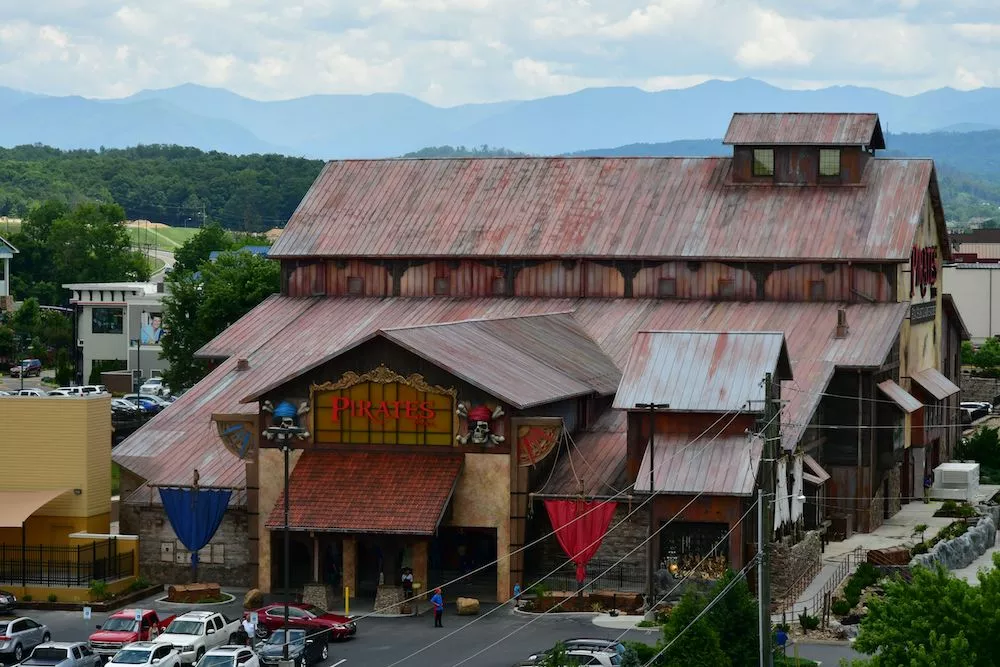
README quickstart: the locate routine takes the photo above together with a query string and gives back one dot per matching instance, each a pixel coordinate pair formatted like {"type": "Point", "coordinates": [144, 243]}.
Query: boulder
{"type": "Point", "coordinates": [961, 551]}
{"type": "Point", "coordinates": [254, 599]}
{"type": "Point", "coordinates": [467, 606]}
{"type": "Point", "coordinates": [193, 593]}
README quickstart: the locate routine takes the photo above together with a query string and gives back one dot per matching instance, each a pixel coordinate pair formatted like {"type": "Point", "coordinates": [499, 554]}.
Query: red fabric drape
{"type": "Point", "coordinates": [580, 538]}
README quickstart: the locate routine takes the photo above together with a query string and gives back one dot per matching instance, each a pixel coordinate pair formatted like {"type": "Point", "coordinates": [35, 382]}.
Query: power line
{"type": "Point", "coordinates": [570, 561]}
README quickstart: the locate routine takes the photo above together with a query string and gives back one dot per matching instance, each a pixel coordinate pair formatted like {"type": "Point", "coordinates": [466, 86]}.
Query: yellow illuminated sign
{"type": "Point", "coordinates": [383, 408]}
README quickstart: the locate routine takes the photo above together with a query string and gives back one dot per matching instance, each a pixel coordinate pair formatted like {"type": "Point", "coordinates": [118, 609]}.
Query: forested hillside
{"type": "Point", "coordinates": [167, 184]}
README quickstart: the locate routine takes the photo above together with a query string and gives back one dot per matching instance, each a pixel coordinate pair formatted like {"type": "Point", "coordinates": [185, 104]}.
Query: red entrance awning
{"type": "Point", "coordinates": [362, 492]}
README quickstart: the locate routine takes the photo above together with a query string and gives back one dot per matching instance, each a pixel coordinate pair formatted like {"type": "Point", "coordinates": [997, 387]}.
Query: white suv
{"type": "Point", "coordinates": [231, 655]}
{"type": "Point", "coordinates": [145, 654]}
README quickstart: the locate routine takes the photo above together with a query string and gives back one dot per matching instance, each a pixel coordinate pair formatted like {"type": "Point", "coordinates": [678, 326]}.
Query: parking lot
{"type": "Point", "coordinates": [14, 384]}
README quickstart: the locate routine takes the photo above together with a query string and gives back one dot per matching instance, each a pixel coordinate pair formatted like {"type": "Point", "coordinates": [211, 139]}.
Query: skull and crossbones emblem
{"type": "Point", "coordinates": [480, 420]}
{"type": "Point", "coordinates": [286, 415]}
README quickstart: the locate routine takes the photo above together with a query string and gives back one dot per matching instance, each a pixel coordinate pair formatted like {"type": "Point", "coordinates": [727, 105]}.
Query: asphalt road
{"type": "Point", "coordinates": [387, 642]}
{"type": "Point", "coordinates": [14, 384]}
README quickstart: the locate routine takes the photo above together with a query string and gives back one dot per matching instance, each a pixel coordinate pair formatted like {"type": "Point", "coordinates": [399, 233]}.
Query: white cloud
{"type": "Point", "coordinates": [454, 51]}
{"type": "Point", "coordinates": [775, 44]}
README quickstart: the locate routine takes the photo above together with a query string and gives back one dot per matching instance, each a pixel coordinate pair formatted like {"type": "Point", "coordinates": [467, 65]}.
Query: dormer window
{"type": "Point", "coordinates": [763, 162]}
{"type": "Point", "coordinates": [829, 162]}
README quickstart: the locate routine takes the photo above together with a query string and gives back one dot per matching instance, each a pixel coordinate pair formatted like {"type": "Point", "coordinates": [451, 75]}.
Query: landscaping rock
{"type": "Point", "coordinates": [193, 593]}
{"type": "Point", "coordinates": [254, 599]}
{"type": "Point", "coordinates": [961, 551]}
{"type": "Point", "coordinates": [467, 606]}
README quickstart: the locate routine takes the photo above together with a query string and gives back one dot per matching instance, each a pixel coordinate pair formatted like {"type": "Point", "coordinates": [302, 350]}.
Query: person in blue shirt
{"type": "Point", "coordinates": [517, 595]}
{"type": "Point", "coordinates": [438, 603]}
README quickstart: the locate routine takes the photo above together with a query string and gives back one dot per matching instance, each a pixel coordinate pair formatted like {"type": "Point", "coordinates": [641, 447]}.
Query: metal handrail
{"type": "Point", "coordinates": [814, 605]}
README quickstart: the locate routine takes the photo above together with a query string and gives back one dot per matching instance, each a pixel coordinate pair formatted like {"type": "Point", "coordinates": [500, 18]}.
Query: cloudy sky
{"type": "Point", "coordinates": [454, 51]}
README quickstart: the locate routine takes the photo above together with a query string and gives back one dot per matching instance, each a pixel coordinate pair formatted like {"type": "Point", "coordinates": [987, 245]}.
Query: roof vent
{"type": "Point", "coordinates": [242, 365]}
{"type": "Point", "coordinates": [842, 327]}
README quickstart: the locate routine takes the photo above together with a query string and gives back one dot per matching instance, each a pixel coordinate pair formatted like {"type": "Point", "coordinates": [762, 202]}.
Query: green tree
{"type": "Point", "coordinates": [197, 309]}
{"type": "Point", "coordinates": [968, 354]}
{"type": "Point", "coordinates": [8, 344]}
{"type": "Point", "coordinates": [937, 619]}
{"type": "Point", "coordinates": [983, 446]}
{"type": "Point", "coordinates": [988, 355]}
{"type": "Point", "coordinates": [694, 646]}
{"type": "Point", "coordinates": [64, 370]}
{"type": "Point", "coordinates": [197, 249]}
{"type": "Point", "coordinates": [734, 618]}
{"type": "Point", "coordinates": [27, 319]}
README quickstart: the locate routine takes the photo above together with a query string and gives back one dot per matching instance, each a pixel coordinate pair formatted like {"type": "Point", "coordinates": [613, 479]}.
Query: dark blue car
{"type": "Point", "coordinates": [303, 650]}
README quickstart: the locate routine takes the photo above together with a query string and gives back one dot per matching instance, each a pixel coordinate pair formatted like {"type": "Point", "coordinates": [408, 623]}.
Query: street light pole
{"type": "Point", "coordinates": [650, 551]}
{"type": "Point", "coordinates": [284, 435]}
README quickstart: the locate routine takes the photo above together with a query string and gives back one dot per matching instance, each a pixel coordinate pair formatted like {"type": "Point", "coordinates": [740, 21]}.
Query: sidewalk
{"type": "Point", "coordinates": [896, 531]}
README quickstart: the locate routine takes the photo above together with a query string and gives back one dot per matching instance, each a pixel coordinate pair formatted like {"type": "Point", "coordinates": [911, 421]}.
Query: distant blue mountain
{"type": "Point", "coordinates": [382, 125]}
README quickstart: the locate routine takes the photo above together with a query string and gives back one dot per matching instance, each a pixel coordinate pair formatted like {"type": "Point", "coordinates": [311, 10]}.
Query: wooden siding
{"type": "Point", "coordinates": [704, 282]}
{"type": "Point", "coordinates": [570, 279]}
{"type": "Point", "coordinates": [554, 278]}
{"type": "Point", "coordinates": [799, 165]}
{"type": "Point", "coordinates": [376, 280]}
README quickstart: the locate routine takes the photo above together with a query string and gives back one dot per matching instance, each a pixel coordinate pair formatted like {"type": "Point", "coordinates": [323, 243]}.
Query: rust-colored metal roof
{"type": "Point", "coordinates": [702, 371]}
{"type": "Point", "coordinates": [724, 466]}
{"type": "Point", "coordinates": [601, 207]}
{"type": "Point", "coordinates": [595, 464]}
{"type": "Point", "coordinates": [524, 361]}
{"type": "Point", "coordinates": [368, 492]}
{"type": "Point", "coordinates": [900, 396]}
{"type": "Point", "coordinates": [805, 129]}
{"type": "Point", "coordinates": [936, 384]}
{"type": "Point", "coordinates": [183, 437]}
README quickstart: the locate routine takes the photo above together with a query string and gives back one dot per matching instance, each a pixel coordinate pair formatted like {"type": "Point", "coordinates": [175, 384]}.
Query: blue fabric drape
{"type": "Point", "coordinates": [195, 515]}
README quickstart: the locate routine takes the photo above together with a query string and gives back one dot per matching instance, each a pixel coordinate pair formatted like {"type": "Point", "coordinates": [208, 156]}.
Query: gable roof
{"type": "Point", "coordinates": [284, 335]}
{"type": "Point", "coordinates": [702, 371]}
{"type": "Point", "coordinates": [7, 248]}
{"type": "Point", "coordinates": [805, 129]}
{"type": "Point", "coordinates": [629, 208]}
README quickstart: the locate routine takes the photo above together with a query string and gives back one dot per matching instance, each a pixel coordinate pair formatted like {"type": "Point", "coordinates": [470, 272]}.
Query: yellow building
{"type": "Point", "coordinates": [55, 495]}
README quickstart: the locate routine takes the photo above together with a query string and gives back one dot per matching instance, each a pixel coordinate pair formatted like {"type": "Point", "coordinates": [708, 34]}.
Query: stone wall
{"type": "Point", "coordinates": [895, 491]}
{"type": "Point", "coordinates": [794, 564]}
{"type": "Point", "coordinates": [979, 389]}
{"type": "Point", "coordinates": [961, 551]}
{"type": "Point", "coordinates": [164, 560]}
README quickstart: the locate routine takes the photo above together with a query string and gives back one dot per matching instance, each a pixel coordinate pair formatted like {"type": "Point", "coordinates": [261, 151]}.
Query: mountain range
{"type": "Point", "coordinates": [385, 125]}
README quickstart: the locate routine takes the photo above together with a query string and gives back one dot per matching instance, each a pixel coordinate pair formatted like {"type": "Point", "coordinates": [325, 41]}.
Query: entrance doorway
{"type": "Point", "coordinates": [458, 551]}
{"type": "Point", "coordinates": [301, 558]}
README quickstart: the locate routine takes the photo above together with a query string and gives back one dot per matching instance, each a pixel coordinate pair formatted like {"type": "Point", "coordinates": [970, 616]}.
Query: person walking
{"type": "Point", "coordinates": [517, 596]}
{"type": "Point", "coordinates": [438, 603]}
{"type": "Point", "coordinates": [928, 483]}
{"type": "Point", "coordinates": [249, 629]}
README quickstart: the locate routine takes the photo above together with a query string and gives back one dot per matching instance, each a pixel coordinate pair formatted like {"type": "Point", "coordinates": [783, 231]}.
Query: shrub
{"type": "Point", "coordinates": [99, 591]}
{"type": "Point", "coordinates": [852, 598]}
{"type": "Point", "coordinates": [841, 607]}
{"type": "Point", "coordinates": [949, 506]}
{"type": "Point", "coordinates": [27, 598]}
{"type": "Point", "coordinates": [643, 650]}
{"type": "Point", "coordinates": [866, 575]}
{"type": "Point", "coordinates": [52, 597]}
{"type": "Point", "coordinates": [139, 584]}
{"type": "Point", "coordinates": [808, 622]}
{"type": "Point", "coordinates": [918, 549]}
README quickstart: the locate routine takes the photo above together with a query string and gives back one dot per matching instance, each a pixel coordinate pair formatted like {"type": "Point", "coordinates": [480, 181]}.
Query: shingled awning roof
{"type": "Point", "coordinates": [805, 129]}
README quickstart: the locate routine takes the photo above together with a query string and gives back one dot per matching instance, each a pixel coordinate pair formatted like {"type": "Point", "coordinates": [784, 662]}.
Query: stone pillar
{"type": "Point", "coordinates": [350, 568]}
{"type": "Point", "coordinates": [316, 577]}
{"type": "Point", "coordinates": [420, 565]}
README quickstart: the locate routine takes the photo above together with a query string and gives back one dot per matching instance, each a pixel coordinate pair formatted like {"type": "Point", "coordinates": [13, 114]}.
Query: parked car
{"type": "Point", "coordinates": [306, 616]}
{"type": "Point", "coordinates": [230, 656]}
{"type": "Point", "coordinates": [27, 367]}
{"type": "Point", "coordinates": [18, 636]}
{"type": "Point", "coordinates": [7, 601]}
{"type": "Point", "coordinates": [121, 629]}
{"type": "Point", "coordinates": [976, 410]}
{"type": "Point", "coordinates": [122, 404]}
{"type": "Point", "coordinates": [579, 657]}
{"type": "Point", "coordinates": [146, 653]}
{"type": "Point", "coordinates": [30, 392]}
{"type": "Point", "coordinates": [154, 386]}
{"type": "Point", "coordinates": [59, 392]}
{"type": "Point", "coordinates": [5, 393]}
{"type": "Point", "coordinates": [195, 633]}
{"type": "Point", "coordinates": [593, 644]}
{"type": "Point", "coordinates": [302, 650]}
{"type": "Point", "coordinates": [62, 654]}
{"type": "Point", "coordinates": [158, 400]}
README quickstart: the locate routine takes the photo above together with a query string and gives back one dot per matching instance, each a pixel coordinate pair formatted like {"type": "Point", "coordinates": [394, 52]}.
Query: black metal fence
{"type": "Point", "coordinates": [602, 574]}
{"type": "Point", "coordinates": [41, 565]}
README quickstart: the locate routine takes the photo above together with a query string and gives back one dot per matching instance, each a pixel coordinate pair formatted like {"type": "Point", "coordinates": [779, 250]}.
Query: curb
{"type": "Point", "coordinates": [104, 606]}
{"type": "Point", "coordinates": [557, 614]}
{"type": "Point", "coordinates": [165, 601]}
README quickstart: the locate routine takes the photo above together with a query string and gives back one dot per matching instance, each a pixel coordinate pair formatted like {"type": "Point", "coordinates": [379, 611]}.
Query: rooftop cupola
{"type": "Point", "coordinates": [802, 148]}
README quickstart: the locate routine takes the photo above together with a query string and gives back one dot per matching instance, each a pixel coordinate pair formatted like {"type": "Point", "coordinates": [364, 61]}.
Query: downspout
{"type": "Point", "coordinates": [857, 500]}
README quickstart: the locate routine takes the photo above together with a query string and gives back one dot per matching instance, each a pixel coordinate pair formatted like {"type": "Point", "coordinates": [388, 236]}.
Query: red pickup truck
{"type": "Point", "coordinates": [121, 628]}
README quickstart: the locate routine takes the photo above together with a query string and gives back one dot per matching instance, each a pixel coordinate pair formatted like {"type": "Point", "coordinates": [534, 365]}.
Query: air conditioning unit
{"type": "Point", "coordinates": [956, 481]}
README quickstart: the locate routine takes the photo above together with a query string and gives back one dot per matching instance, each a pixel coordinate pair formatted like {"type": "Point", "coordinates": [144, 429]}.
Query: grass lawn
{"type": "Point", "coordinates": [162, 238]}
{"type": "Point", "coordinates": [155, 264]}
{"type": "Point", "coordinates": [791, 661]}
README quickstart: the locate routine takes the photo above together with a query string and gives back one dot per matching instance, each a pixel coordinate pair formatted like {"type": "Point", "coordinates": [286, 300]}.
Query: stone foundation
{"type": "Point", "coordinates": [794, 564]}
{"type": "Point", "coordinates": [389, 599]}
{"type": "Point", "coordinates": [979, 389]}
{"type": "Point", "coordinates": [319, 595]}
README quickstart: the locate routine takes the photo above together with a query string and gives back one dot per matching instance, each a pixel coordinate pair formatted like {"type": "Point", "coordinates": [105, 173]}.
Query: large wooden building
{"type": "Point", "coordinates": [463, 338]}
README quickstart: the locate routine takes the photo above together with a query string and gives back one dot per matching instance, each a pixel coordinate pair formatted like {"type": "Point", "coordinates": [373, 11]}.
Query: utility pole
{"type": "Point", "coordinates": [765, 520]}
{"type": "Point", "coordinates": [650, 551]}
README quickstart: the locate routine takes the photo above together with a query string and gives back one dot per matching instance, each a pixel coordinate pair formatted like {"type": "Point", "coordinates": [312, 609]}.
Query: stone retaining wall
{"type": "Point", "coordinates": [791, 562]}
{"type": "Point", "coordinates": [979, 389]}
{"type": "Point", "coordinates": [961, 551]}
